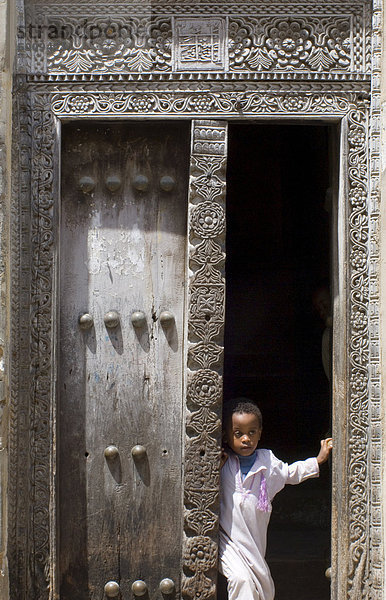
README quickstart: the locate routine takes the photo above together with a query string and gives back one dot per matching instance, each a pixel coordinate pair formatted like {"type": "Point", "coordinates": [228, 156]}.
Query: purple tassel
{"type": "Point", "coordinates": [263, 502]}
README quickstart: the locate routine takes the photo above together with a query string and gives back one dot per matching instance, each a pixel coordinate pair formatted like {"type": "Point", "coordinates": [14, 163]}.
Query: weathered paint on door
{"type": "Point", "coordinates": [122, 249]}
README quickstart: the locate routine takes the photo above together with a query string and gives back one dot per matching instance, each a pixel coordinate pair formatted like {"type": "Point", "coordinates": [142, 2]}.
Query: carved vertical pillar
{"type": "Point", "coordinates": [359, 500]}
{"type": "Point", "coordinates": [42, 351]}
{"type": "Point", "coordinates": [18, 481]}
{"type": "Point", "coordinates": [205, 355]}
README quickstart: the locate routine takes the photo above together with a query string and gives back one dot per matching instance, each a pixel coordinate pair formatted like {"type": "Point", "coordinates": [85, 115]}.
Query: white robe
{"type": "Point", "coordinates": [243, 527]}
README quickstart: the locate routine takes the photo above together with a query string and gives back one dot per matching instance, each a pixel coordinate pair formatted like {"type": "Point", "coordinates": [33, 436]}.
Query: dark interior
{"type": "Point", "coordinates": [278, 255]}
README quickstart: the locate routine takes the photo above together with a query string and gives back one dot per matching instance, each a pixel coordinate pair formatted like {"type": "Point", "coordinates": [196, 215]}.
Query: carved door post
{"type": "Point", "coordinates": [205, 355]}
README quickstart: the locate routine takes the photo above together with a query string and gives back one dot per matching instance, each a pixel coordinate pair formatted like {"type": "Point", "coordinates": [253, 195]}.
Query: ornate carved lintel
{"type": "Point", "coordinates": [248, 37]}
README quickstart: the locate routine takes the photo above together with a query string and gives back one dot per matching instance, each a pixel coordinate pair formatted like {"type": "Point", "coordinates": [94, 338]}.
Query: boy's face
{"type": "Point", "coordinates": [243, 433]}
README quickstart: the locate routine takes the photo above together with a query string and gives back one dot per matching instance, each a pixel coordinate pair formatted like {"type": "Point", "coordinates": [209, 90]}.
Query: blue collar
{"type": "Point", "coordinates": [246, 463]}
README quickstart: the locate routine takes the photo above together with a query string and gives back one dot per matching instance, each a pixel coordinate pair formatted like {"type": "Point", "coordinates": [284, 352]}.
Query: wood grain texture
{"type": "Point", "coordinates": [121, 519]}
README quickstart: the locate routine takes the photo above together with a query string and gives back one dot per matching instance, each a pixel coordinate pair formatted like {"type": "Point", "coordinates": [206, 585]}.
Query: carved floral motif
{"type": "Point", "coordinates": [204, 388]}
{"type": "Point", "coordinates": [358, 197]}
{"type": "Point", "coordinates": [208, 218]}
{"type": "Point", "coordinates": [199, 586]}
{"type": "Point", "coordinates": [188, 103]}
{"type": "Point", "coordinates": [207, 303]}
{"type": "Point", "coordinates": [200, 553]}
{"type": "Point", "coordinates": [205, 354]}
{"type": "Point", "coordinates": [359, 359]}
{"type": "Point", "coordinates": [290, 44]}
{"type": "Point", "coordinates": [359, 320]}
{"type": "Point", "coordinates": [200, 520]}
{"type": "Point", "coordinates": [202, 420]}
{"type": "Point", "coordinates": [256, 39]}
{"type": "Point", "coordinates": [111, 45]}
{"type": "Point", "coordinates": [41, 393]}
{"type": "Point", "coordinates": [201, 462]}
{"type": "Point", "coordinates": [210, 250]}
{"type": "Point", "coordinates": [200, 557]}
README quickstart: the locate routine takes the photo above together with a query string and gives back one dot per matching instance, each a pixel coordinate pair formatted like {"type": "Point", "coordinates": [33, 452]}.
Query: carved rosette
{"type": "Point", "coordinates": [205, 337]}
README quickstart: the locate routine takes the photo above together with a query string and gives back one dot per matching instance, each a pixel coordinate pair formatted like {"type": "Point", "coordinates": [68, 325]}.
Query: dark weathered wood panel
{"type": "Point", "coordinates": [121, 250]}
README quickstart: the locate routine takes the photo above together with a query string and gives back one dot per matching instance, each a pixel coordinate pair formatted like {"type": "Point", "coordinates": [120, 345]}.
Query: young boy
{"type": "Point", "coordinates": [250, 479]}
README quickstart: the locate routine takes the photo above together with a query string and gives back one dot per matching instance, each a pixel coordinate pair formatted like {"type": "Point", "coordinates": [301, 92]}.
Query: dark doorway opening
{"type": "Point", "coordinates": [278, 256]}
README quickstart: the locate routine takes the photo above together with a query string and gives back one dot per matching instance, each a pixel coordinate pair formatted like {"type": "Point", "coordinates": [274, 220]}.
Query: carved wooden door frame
{"type": "Point", "coordinates": [43, 101]}
{"type": "Point", "coordinates": [33, 445]}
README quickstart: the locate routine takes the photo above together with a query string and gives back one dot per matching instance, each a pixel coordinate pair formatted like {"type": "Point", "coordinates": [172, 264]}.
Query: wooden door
{"type": "Point", "coordinates": [122, 290]}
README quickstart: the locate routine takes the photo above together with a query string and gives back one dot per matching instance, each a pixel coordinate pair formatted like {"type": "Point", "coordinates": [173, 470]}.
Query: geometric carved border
{"type": "Point", "coordinates": [34, 568]}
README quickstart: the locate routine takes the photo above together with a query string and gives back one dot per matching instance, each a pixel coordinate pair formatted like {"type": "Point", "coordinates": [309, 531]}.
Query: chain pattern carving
{"type": "Point", "coordinates": [67, 39]}
{"type": "Point", "coordinates": [206, 324]}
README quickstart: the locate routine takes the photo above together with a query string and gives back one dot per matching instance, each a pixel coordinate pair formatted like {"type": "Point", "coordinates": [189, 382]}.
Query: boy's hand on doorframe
{"type": "Point", "coordinates": [325, 449]}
